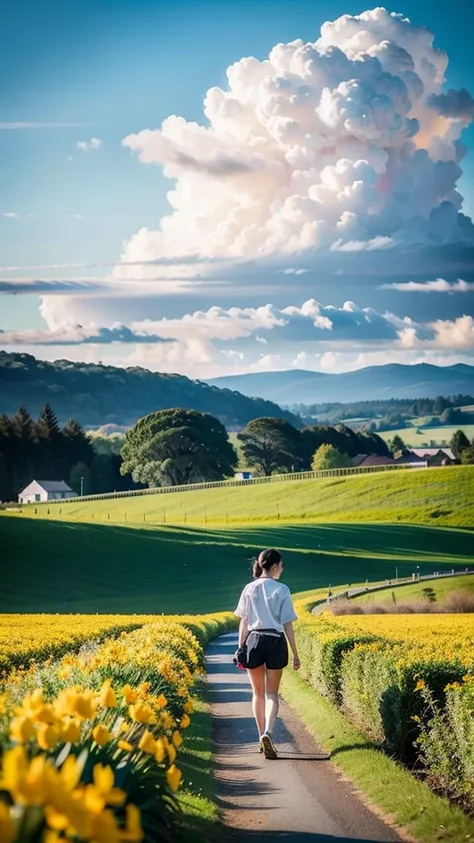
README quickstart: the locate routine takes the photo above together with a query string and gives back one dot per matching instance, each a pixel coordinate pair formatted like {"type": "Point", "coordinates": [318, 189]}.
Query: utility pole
{"type": "Point", "coordinates": [82, 487]}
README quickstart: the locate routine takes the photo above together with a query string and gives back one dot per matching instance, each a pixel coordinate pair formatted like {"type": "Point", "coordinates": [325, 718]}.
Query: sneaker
{"type": "Point", "coordinates": [268, 748]}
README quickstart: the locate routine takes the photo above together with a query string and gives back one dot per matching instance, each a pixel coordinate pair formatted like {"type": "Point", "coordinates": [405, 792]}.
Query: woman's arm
{"type": "Point", "coordinates": [290, 634]}
{"type": "Point", "coordinates": [243, 629]}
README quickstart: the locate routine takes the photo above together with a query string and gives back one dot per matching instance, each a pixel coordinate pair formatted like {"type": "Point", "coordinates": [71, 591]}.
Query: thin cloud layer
{"type": "Point", "coordinates": [439, 285]}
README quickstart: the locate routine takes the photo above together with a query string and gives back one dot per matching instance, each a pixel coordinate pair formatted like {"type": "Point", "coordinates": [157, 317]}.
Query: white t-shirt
{"type": "Point", "coordinates": [267, 604]}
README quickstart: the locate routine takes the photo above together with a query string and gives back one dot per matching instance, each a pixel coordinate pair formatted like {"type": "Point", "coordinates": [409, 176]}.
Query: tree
{"type": "Point", "coordinates": [80, 478]}
{"type": "Point", "coordinates": [467, 455]}
{"type": "Point", "coordinates": [78, 446]}
{"type": "Point", "coordinates": [397, 445]}
{"type": "Point", "coordinates": [327, 456]}
{"type": "Point", "coordinates": [459, 443]}
{"type": "Point", "coordinates": [270, 445]}
{"type": "Point", "coordinates": [174, 447]}
{"type": "Point", "coordinates": [451, 416]}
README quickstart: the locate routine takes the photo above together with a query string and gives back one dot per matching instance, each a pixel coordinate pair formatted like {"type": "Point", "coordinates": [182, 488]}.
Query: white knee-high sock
{"type": "Point", "coordinates": [272, 705]}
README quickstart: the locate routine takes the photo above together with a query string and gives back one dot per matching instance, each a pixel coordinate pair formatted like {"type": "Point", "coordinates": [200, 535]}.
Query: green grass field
{"type": "Point", "coordinates": [428, 496]}
{"type": "Point", "coordinates": [54, 566]}
{"type": "Point", "coordinates": [440, 434]}
{"type": "Point", "coordinates": [415, 590]}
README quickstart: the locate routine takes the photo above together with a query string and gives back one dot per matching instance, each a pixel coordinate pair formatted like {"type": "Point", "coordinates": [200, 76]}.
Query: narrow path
{"type": "Point", "coordinates": [322, 605]}
{"type": "Point", "coordinates": [301, 798]}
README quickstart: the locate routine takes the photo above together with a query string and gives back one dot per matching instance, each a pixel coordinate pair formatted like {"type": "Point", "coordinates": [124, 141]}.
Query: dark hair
{"type": "Point", "coordinates": [265, 560]}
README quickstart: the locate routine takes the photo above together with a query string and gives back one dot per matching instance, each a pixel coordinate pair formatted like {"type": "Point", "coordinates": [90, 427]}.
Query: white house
{"type": "Point", "coordinates": [40, 491]}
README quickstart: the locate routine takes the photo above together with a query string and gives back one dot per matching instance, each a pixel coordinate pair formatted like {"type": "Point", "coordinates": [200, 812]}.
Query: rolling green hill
{"type": "Point", "coordinates": [425, 496]}
{"type": "Point", "coordinates": [97, 395]}
{"type": "Point", "coordinates": [57, 566]}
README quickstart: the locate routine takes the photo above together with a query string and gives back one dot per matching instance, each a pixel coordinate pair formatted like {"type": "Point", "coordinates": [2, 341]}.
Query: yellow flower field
{"type": "Point", "coordinates": [443, 637]}
{"type": "Point", "coordinates": [27, 638]}
{"type": "Point", "coordinates": [89, 742]}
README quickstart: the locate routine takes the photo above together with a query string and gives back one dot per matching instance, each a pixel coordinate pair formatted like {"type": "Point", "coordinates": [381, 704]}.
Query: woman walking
{"type": "Point", "coordinates": [267, 614]}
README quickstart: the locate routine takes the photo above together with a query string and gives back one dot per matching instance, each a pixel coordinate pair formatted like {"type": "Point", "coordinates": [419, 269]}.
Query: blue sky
{"type": "Point", "coordinates": [108, 70]}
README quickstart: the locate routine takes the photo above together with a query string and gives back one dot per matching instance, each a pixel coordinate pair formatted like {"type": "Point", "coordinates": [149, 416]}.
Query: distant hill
{"type": "Point", "coordinates": [299, 386]}
{"type": "Point", "coordinates": [97, 395]}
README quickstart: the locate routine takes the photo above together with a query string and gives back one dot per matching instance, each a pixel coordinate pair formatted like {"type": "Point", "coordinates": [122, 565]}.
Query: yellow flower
{"type": "Point", "coordinates": [125, 745]}
{"type": "Point", "coordinates": [420, 685]}
{"type": "Point", "coordinates": [70, 731]}
{"type": "Point", "coordinates": [65, 671]}
{"type": "Point", "coordinates": [177, 739]}
{"type": "Point", "coordinates": [101, 735]}
{"type": "Point", "coordinates": [70, 773]}
{"type": "Point", "coordinates": [167, 720]}
{"type": "Point", "coordinates": [71, 701]}
{"type": "Point", "coordinates": [105, 829]}
{"type": "Point", "coordinates": [21, 729]}
{"type": "Point", "coordinates": [7, 826]}
{"type": "Point", "coordinates": [129, 694]}
{"type": "Point", "coordinates": [147, 743]}
{"type": "Point", "coordinates": [161, 701]}
{"type": "Point", "coordinates": [107, 695]}
{"type": "Point", "coordinates": [173, 776]}
{"type": "Point", "coordinates": [160, 750]}
{"type": "Point", "coordinates": [189, 707]}
{"type": "Point", "coordinates": [55, 819]}
{"type": "Point", "coordinates": [27, 783]}
{"type": "Point", "coordinates": [142, 713]}
{"type": "Point", "coordinates": [133, 830]}
{"type": "Point", "coordinates": [47, 736]}
{"type": "Point", "coordinates": [185, 721]}
{"type": "Point", "coordinates": [171, 753]}
{"type": "Point", "coordinates": [104, 782]}
{"type": "Point", "coordinates": [3, 703]}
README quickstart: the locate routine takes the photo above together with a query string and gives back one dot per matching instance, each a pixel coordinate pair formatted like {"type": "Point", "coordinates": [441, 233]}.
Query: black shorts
{"type": "Point", "coordinates": [268, 649]}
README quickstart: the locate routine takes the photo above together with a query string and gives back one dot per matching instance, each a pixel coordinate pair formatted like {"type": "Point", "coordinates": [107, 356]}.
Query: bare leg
{"type": "Point", "coordinates": [257, 680]}
{"type": "Point", "coordinates": [271, 699]}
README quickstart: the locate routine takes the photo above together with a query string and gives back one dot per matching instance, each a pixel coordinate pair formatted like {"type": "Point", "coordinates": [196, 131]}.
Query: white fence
{"type": "Point", "coordinates": [274, 478]}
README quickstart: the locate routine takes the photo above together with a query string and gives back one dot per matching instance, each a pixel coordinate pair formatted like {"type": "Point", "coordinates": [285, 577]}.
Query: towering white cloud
{"type": "Point", "coordinates": [345, 140]}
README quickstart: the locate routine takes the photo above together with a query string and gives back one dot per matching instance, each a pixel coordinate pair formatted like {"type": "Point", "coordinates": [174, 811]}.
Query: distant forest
{"type": "Point", "coordinates": [97, 395]}
{"type": "Point", "coordinates": [389, 412]}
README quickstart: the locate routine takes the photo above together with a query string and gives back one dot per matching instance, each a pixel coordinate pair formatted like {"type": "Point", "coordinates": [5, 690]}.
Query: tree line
{"type": "Point", "coordinates": [176, 446]}
{"type": "Point", "coordinates": [387, 410]}
{"type": "Point", "coordinates": [40, 449]}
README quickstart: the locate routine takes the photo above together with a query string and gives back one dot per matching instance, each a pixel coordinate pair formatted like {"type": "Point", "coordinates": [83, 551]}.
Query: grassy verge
{"type": "Point", "coordinates": [201, 816]}
{"type": "Point", "coordinates": [439, 589]}
{"type": "Point", "coordinates": [388, 787]}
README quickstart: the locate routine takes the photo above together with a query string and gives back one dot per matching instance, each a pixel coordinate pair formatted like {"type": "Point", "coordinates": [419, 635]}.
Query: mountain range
{"type": "Point", "coordinates": [300, 386]}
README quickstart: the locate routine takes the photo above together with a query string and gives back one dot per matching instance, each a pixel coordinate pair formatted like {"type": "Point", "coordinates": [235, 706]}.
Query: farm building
{"type": "Point", "coordinates": [435, 456]}
{"type": "Point", "coordinates": [243, 475]}
{"type": "Point", "coordinates": [40, 491]}
{"type": "Point", "coordinates": [366, 460]}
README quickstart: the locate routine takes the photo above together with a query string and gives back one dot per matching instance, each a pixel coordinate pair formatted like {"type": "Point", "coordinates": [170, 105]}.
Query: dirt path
{"type": "Point", "coordinates": [301, 798]}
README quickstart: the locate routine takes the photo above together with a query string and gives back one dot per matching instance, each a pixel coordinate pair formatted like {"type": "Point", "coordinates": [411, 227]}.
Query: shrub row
{"type": "Point", "coordinates": [415, 699]}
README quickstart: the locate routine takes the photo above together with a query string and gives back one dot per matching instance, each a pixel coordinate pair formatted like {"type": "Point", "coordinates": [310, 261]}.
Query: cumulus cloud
{"type": "Point", "coordinates": [87, 146]}
{"type": "Point", "coordinates": [332, 143]}
{"type": "Point", "coordinates": [456, 104]}
{"type": "Point", "coordinates": [439, 285]}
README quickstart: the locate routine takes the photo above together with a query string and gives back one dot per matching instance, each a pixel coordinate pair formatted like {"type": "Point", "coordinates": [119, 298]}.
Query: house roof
{"type": "Point", "coordinates": [410, 458]}
{"type": "Point", "coordinates": [375, 459]}
{"type": "Point", "coordinates": [53, 485]}
{"type": "Point", "coordinates": [432, 452]}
